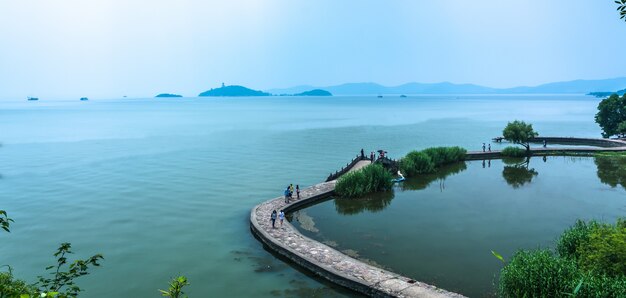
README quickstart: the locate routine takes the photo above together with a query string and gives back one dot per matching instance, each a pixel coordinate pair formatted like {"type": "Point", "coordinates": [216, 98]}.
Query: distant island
{"type": "Point", "coordinates": [607, 94]}
{"type": "Point", "coordinates": [168, 95]}
{"type": "Point", "coordinates": [567, 87]}
{"type": "Point", "coordinates": [314, 92]}
{"type": "Point", "coordinates": [233, 91]}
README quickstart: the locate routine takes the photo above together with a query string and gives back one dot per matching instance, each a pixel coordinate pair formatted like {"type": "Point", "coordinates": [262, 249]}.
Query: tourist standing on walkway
{"type": "Point", "coordinates": [287, 195]}
{"type": "Point", "coordinates": [298, 191]}
{"type": "Point", "coordinates": [273, 219]}
{"type": "Point", "coordinates": [291, 191]}
{"type": "Point", "coordinates": [372, 156]}
{"type": "Point", "coordinates": [483, 147]}
{"type": "Point", "coordinates": [362, 153]}
{"type": "Point", "coordinates": [489, 147]}
{"type": "Point", "coordinates": [281, 216]}
{"type": "Point", "coordinates": [545, 143]}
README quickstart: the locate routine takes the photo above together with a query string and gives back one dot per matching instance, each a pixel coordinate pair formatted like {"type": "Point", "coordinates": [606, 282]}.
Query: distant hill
{"type": "Point", "coordinates": [314, 92]}
{"type": "Point", "coordinates": [168, 95]}
{"type": "Point", "coordinates": [234, 91]}
{"type": "Point", "coordinates": [607, 94]}
{"type": "Point", "coordinates": [576, 87]}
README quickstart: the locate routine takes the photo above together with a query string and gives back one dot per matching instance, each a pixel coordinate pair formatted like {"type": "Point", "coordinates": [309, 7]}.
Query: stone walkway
{"type": "Point", "coordinates": [352, 273]}
{"type": "Point", "coordinates": [326, 261]}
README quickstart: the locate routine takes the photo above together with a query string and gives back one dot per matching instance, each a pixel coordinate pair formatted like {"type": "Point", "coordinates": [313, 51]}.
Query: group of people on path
{"type": "Point", "coordinates": [275, 215]}
{"type": "Point", "coordinates": [289, 193]}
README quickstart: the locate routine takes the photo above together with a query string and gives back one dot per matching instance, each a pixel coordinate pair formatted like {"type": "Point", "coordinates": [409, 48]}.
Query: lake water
{"type": "Point", "coordinates": [441, 228]}
{"type": "Point", "coordinates": [163, 187]}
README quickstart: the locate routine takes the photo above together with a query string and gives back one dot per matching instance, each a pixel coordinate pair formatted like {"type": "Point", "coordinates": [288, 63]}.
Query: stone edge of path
{"type": "Point", "coordinates": [351, 273]}
{"type": "Point", "coordinates": [327, 262]}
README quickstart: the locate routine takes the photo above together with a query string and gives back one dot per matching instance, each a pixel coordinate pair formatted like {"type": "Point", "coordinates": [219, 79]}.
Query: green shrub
{"type": "Point", "coordinates": [571, 239]}
{"type": "Point", "coordinates": [511, 151]}
{"type": "Point", "coordinates": [369, 179]}
{"type": "Point", "coordinates": [538, 273]}
{"type": "Point", "coordinates": [10, 287]}
{"type": "Point", "coordinates": [416, 163]}
{"type": "Point", "coordinates": [445, 155]}
{"type": "Point", "coordinates": [595, 285]}
{"type": "Point", "coordinates": [589, 251]}
{"type": "Point", "coordinates": [605, 250]}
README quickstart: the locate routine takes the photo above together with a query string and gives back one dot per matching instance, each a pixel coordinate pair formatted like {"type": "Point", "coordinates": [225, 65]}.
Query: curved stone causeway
{"type": "Point", "coordinates": [351, 273]}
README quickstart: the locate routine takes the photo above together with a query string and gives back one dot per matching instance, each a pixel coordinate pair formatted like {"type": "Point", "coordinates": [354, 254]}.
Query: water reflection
{"type": "Point", "coordinates": [423, 181]}
{"type": "Point", "coordinates": [373, 203]}
{"type": "Point", "coordinates": [611, 170]}
{"type": "Point", "coordinates": [517, 172]}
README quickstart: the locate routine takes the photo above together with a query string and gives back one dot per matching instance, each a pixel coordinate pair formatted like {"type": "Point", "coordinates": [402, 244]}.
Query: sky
{"type": "Point", "coordinates": [139, 48]}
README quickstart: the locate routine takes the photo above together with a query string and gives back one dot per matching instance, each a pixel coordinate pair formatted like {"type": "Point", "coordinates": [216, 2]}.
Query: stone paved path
{"type": "Point", "coordinates": [328, 262]}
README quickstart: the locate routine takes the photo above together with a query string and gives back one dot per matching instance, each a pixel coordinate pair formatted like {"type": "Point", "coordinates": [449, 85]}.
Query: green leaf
{"type": "Point", "coordinates": [580, 283]}
{"type": "Point", "coordinates": [497, 255]}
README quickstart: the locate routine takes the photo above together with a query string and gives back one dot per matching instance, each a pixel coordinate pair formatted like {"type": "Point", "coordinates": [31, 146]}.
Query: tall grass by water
{"type": "Point", "coordinates": [428, 160]}
{"type": "Point", "coordinates": [590, 261]}
{"type": "Point", "coordinates": [372, 178]}
{"type": "Point", "coordinates": [511, 151]}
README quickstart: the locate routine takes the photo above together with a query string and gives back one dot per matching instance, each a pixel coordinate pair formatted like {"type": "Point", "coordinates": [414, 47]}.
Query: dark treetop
{"type": "Point", "coordinates": [233, 90]}
{"type": "Point", "coordinates": [606, 94]}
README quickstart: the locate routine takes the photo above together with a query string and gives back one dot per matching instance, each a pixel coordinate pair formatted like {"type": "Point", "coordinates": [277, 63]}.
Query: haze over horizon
{"type": "Point", "coordinates": [73, 48]}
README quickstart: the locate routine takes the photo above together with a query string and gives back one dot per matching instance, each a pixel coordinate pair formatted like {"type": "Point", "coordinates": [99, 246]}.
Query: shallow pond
{"type": "Point", "coordinates": [441, 228]}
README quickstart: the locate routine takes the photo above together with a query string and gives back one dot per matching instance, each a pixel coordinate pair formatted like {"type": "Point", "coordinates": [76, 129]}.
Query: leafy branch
{"type": "Point", "coordinates": [5, 221]}
{"type": "Point", "coordinates": [176, 287]}
{"type": "Point", "coordinates": [62, 281]}
{"type": "Point", "coordinates": [621, 8]}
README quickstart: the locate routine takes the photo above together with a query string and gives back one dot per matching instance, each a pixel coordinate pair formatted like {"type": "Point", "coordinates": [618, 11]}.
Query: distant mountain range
{"type": "Point", "coordinates": [575, 87]}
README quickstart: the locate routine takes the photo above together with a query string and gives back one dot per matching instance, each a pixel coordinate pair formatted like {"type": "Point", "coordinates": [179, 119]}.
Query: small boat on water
{"type": "Point", "coordinates": [32, 98]}
{"type": "Point", "coordinates": [84, 98]}
{"type": "Point", "coordinates": [403, 96]}
{"type": "Point", "coordinates": [380, 96]}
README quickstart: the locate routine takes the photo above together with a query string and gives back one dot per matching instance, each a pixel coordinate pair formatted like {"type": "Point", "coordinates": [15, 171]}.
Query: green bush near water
{"type": "Point", "coordinates": [428, 160]}
{"type": "Point", "coordinates": [416, 162]}
{"type": "Point", "coordinates": [445, 155]}
{"type": "Point", "coordinates": [372, 178]}
{"type": "Point", "coordinates": [591, 254]}
{"type": "Point", "coordinates": [511, 151]}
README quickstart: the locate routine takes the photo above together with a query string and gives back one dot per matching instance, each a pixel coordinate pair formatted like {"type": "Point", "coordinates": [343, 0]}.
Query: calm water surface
{"type": "Point", "coordinates": [164, 186]}
{"type": "Point", "coordinates": [441, 228]}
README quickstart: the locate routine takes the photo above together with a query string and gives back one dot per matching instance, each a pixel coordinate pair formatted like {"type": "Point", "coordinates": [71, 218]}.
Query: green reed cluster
{"type": "Point", "coordinates": [589, 261]}
{"type": "Point", "coordinates": [372, 178]}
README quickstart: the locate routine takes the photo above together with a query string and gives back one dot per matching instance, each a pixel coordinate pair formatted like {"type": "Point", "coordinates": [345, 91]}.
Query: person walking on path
{"type": "Point", "coordinates": [273, 219]}
{"type": "Point", "coordinates": [281, 216]}
{"type": "Point", "coordinates": [372, 156]}
{"type": "Point", "coordinates": [545, 143]}
{"type": "Point", "coordinates": [483, 147]}
{"type": "Point", "coordinates": [298, 191]}
{"type": "Point", "coordinates": [362, 153]}
{"type": "Point", "coordinates": [490, 147]}
{"type": "Point", "coordinates": [291, 191]}
{"type": "Point", "coordinates": [287, 195]}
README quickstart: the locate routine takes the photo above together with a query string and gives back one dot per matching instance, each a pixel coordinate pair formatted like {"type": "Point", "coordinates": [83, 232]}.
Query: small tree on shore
{"type": "Point", "coordinates": [519, 132]}
{"type": "Point", "coordinates": [611, 114]}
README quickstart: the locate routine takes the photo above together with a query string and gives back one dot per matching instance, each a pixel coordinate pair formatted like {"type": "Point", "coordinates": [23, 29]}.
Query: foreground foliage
{"type": "Point", "coordinates": [372, 178]}
{"type": "Point", "coordinates": [176, 286]}
{"type": "Point", "coordinates": [590, 261]}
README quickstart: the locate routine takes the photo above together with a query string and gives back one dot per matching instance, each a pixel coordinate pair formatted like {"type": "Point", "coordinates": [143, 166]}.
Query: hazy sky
{"type": "Point", "coordinates": [74, 48]}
